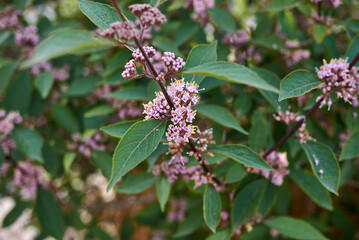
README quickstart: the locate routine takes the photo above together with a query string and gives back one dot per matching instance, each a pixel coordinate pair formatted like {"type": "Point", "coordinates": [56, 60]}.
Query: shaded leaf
{"type": "Point", "coordinates": [163, 188]}
{"type": "Point", "coordinates": [137, 183]}
{"type": "Point", "coordinates": [294, 228]}
{"type": "Point", "coordinates": [324, 164]}
{"type": "Point", "coordinates": [220, 115]}
{"type": "Point", "coordinates": [351, 147]}
{"type": "Point", "coordinates": [231, 72]}
{"type": "Point", "coordinates": [118, 129]}
{"type": "Point", "coordinates": [211, 207]}
{"type": "Point", "coordinates": [244, 155]}
{"type": "Point", "coordinates": [297, 83]}
{"type": "Point", "coordinates": [43, 83]}
{"type": "Point", "coordinates": [29, 142]}
{"type": "Point", "coordinates": [139, 141]}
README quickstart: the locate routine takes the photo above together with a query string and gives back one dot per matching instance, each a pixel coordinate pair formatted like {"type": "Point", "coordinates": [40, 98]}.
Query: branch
{"type": "Point", "coordinates": [163, 89]}
{"type": "Point", "coordinates": [292, 130]}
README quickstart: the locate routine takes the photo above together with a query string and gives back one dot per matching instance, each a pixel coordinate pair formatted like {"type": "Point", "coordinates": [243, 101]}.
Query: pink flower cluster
{"type": "Point", "coordinates": [148, 15]}
{"type": "Point", "coordinates": [124, 108]}
{"type": "Point", "coordinates": [279, 162]}
{"type": "Point", "coordinates": [28, 177]}
{"type": "Point", "coordinates": [9, 18]}
{"type": "Point", "coordinates": [7, 125]}
{"type": "Point", "coordinates": [333, 3]}
{"type": "Point", "coordinates": [184, 96]}
{"type": "Point", "coordinates": [339, 79]}
{"type": "Point", "coordinates": [59, 74]}
{"type": "Point", "coordinates": [238, 39]}
{"type": "Point", "coordinates": [176, 167]}
{"type": "Point", "coordinates": [295, 54]}
{"type": "Point", "coordinates": [123, 30]}
{"type": "Point", "coordinates": [178, 210]}
{"type": "Point", "coordinates": [27, 37]}
{"type": "Point", "coordinates": [289, 117]}
{"type": "Point", "coordinates": [165, 65]}
{"type": "Point", "coordinates": [85, 146]}
{"type": "Point", "coordinates": [200, 9]}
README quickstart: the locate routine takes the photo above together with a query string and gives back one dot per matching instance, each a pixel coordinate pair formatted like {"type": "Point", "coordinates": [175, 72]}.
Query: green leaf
{"type": "Point", "coordinates": [245, 203]}
{"type": "Point", "coordinates": [151, 160]}
{"type": "Point", "coordinates": [273, 80]}
{"type": "Point", "coordinates": [297, 83]}
{"type": "Point", "coordinates": [189, 224]}
{"type": "Point", "coordinates": [258, 135]}
{"type": "Point", "coordinates": [211, 207]}
{"type": "Point", "coordinates": [50, 215]}
{"type": "Point", "coordinates": [97, 111]}
{"type": "Point", "coordinates": [223, 19]}
{"type": "Point", "coordinates": [320, 32]}
{"type": "Point", "coordinates": [137, 183]}
{"type": "Point", "coordinates": [268, 199]}
{"type": "Point", "coordinates": [200, 54]}
{"type": "Point", "coordinates": [68, 160]}
{"type": "Point", "coordinates": [223, 234]}
{"type": "Point", "coordinates": [43, 84]}
{"type": "Point", "coordinates": [130, 93]}
{"type": "Point", "coordinates": [139, 141]}
{"type": "Point", "coordinates": [312, 187]}
{"type": "Point", "coordinates": [326, 162]}
{"type": "Point", "coordinates": [220, 115]}
{"type": "Point", "coordinates": [278, 5]}
{"type": "Point", "coordinates": [351, 147]}
{"type": "Point", "coordinates": [163, 188]}
{"type": "Point", "coordinates": [270, 42]}
{"type": "Point", "coordinates": [65, 117]}
{"type": "Point", "coordinates": [81, 87]}
{"type": "Point", "coordinates": [18, 94]}
{"type": "Point", "coordinates": [235, 174]}
{"type": "Point", "coordinates": [118, 129]}
{"type": "Point", "coordinates": [353, 50]}
{"type": "Point", "coordinates": [244, 155]}
{"type": "Point", "coordinates": [65, 42]}
{"type": "Point", "coordinates": [294, 228]}
{"type": "Point", "coordinates": [103, 161]}
{"type": "Point", "coordinates": [101, 15]}
{"type": "Point", "coordinates": [29, 142]}
{"type": "Point", "coordinates": [2, 156]}
{"type": "Point", "coordinates": [185, 31]}
{"type": "Point", "coordinates": [7, 69]}
{"type": "Point", "coordinates": [15, 213]}
{"type": "Point", "coordinates": [231, 72]}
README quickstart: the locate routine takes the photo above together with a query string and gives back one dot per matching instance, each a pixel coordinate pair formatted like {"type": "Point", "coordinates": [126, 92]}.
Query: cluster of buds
{"type": "Point", "coordinates": [239, 52]}
{"type": "Point", "coordinates": [184, 96]}
{"type": "Point", "coordinates": [295, 54]}
{"type": "Point", "coordinates": [173, 169]}
{"type": "Point", "coordinates": [28, 177]}
{"type": "Point", "coordinates": [27, 38]}
{"type": "Point", "coordinates": [200, 9]}
{"type": "Point", "coordinates": [289, 117]}
{"type": "Point", "coordinates": [124, 108]}
{"type": "Point", "coordinates": [147, 17]}
{"type": "Point", "coordinates": [279, 162]}
{"type": "Point", "coordinates": [59, 74]}
{"type": "Point", "coordinates": [9, 18]}
{"type": "Point", "coordinates": [178, 210]}
{"type": "Point", "coordinates": [7, 124]}
{"type": "Point", "coordinates": [238, 39]}
{"type": "Point", "coordinates": [85, 146]}
{"type": "Point", "coordinates": [339, 79]}
{"type": "Point", "coordinates": [204, 138]}
{"type": "Point", "coordinates": [167, 65]}
{"type": "Point", "coordinates": [333, 3]}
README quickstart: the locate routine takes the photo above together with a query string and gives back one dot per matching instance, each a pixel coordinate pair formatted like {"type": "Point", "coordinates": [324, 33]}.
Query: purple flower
{"type": "Point", "coordinates": [148, 15]}
{"type": "Point", "coordinates": [28, 177]}
{"type": "Point", "coordinates": [9, 18]}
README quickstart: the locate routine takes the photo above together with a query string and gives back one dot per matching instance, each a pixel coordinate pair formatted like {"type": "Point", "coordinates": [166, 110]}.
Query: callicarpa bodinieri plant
{"type": "Point", "coordinates": [179, 119]}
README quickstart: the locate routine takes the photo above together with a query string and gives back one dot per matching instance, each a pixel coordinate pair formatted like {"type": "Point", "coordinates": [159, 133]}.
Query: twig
{"type": "Point", "coordinates": [163, 89]}
{"type": "Point", "coordinates": [292, 130]}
